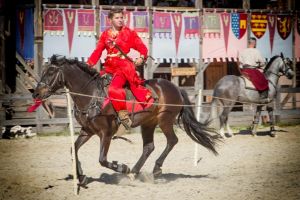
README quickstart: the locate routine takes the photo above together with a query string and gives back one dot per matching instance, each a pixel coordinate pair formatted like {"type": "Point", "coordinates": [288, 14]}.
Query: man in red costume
{"type": "Point", "coordinates": [118, 40]}
{"type": "Point", "coordinates": [251, 63]}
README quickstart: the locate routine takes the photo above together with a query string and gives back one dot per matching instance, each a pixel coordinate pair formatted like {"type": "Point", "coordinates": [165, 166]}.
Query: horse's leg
{"type": "Point", "coordinates": [229, 130]}
{"type": "Point", "coordinates": [256, 120]}
{"type": "Point", "coordinates": [104, 146]}
{"type": "Point", "coordinates": [271, 116]}
{"type": "Point", "coordinates": [167, 128]}
{"type": "Point", "coordinates": [82, 138]}
{"type": "Point", "coordinates": [148, 147]}
{"type": "Point", "coordinates": [216, 117]}
{"type": "Point", "coordinates": [224, 119]}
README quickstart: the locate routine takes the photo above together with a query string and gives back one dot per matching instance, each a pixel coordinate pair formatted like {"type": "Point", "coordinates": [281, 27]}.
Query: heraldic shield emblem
{"type": "Point", "coordinates": [259, 24]}
{"type": "Point", "coordinates": [284, 26]}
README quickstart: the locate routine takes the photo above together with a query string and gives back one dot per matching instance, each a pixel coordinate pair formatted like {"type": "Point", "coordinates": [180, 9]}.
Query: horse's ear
{"type": "Point", "coordinates": [53, 58]}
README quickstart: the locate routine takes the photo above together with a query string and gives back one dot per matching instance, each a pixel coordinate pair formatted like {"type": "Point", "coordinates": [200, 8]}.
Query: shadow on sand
{"type": "Point", "coordinates": [122, 179]}
{"type": "Point", "coordinates": [259, 133]}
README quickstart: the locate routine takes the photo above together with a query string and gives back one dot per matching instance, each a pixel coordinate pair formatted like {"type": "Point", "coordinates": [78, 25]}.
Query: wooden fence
{"type": "Point", "coordinates": [285, 108]}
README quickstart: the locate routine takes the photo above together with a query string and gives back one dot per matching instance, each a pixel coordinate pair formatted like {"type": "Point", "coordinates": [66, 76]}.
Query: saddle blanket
{"type": "Point", "coordinates": [257, 78]}
{"type": "Point", "coordinates": [132, 105]}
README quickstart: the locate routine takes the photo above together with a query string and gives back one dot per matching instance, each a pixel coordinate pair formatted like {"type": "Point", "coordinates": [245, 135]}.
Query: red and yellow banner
{"type": "Point", "coordinates": [284, 25]}
{"type": "Point", "coordinates": [86, 21]}
{"type": "Point", "coordinates": [177, 21]}
{"type": "Point", "coordinates": [70, 15]}
{"type": "Point", "coordinates": [258, 24]}
{"type": "Point", "coordinates": [53, 20]}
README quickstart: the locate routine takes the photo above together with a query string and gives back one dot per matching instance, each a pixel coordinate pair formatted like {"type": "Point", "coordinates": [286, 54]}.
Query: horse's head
{"type": "Point", "coordinates": [52, 79]}
{"type": "Point", "coordinates": [286, 67]}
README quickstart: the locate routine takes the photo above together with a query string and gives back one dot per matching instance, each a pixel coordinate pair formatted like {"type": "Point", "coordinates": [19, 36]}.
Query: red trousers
{"type": "Point", "coordinates": [117, 93]}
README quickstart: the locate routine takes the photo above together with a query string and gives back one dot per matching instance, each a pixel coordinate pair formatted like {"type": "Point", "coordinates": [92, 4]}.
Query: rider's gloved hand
{"type": "Point", "coordinates": [89, 64]}
{"type": "Point", "coordinates": [139, 61]}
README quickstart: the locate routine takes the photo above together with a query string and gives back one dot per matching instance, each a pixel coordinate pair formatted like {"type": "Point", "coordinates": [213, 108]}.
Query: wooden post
{"type": "Point", "coordinates": [148, 71]}
{"type": "Point", "coordinates": [2, 54]}
{"type": "Point", "coordinates": [198, 114]}
{"type": "Point", "coordinates": [291, 6]}
{"type": "Point", "coordinates": [95, 4]}
{"type": "Point", "coordinates": [199, 79]}
{"type": "Point", "coordinates": [175, 79]}
{"type": "Point", "coordinates": [71, 126]}
{"type": "Point", "coordinates": [38, 51]}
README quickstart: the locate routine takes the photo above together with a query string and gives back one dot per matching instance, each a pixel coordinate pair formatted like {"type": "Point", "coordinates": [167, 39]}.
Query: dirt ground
{"type": "Point", "coordinates": [247, 168]}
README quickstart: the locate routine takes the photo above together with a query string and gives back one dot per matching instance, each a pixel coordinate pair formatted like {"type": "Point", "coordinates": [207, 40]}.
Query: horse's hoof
{"type": "Point", "coordinates": [273, 134]}
{"type": "Point", "coordinates": [83, 181]}
{"type": "Point", "coordinates": [131, 176]}
{"type": "Point", "coordinates": [125, 169]}
{"type": "Point", "coordinates": [221, 136]}
{"type": "Point", "coordinates": [157, 173]}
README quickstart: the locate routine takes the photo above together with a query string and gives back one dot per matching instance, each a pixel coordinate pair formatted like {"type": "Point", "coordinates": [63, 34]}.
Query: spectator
{"type": "Point", "coordinates": [163, 3]}
{"type": "Point", "coordinates": [183, 3]}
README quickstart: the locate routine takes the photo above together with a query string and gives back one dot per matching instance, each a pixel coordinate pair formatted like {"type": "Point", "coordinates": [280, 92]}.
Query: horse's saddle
{"type": "Point", "coordinates": [131, 102]}
{"type": "Point", "coordinates": [248, 84]}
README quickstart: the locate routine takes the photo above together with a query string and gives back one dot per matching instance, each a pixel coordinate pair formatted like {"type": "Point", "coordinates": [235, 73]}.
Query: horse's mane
{"type": "Point", "coordinates": [60, 60]}
{"type": "Point", "coordinates": [270, 62]}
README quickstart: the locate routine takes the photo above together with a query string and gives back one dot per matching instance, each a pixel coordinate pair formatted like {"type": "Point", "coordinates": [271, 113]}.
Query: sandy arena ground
{"type": "Point", "coordinates": [247, 168]}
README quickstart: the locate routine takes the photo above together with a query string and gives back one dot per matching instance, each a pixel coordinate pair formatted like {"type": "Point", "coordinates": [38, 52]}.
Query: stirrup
{"type": "Point", "coordinates": [126, 123]}
{"type": "Point", "coordinates": [124, 119]}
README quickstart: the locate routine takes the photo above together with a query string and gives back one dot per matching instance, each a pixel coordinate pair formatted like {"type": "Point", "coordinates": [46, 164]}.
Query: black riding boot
{"type": "Point", "coordinates": [264, 96]}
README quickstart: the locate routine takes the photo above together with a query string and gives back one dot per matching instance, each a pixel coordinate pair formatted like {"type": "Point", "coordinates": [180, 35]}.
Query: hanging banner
{"type": "Point", "coordinates": [169, 43]}
{"type": "Point", "coordinates": [239, 24]}
{"type": "Point", "coordinates": [192, 24]}
{"type": "Point", "coordinates": [271, 27]}
{"type": "Point", "coordinates": [227, 45]}
{"type": "Point", "coordinates": [258, 24]}
{"type": "Point", "coordinates": [70, 15]}
{"type": "Point", "coordinates": [284, 25]}
{"type": "Point", "coordinates": [298, 23]}
{"type": "Point", "coordinates": [162, 24]}
{"type": "Point", "coordinates": [297, 38]}
{"type": "Point", "coordinates": [225, 17]}
{"type": "Point", "coordinates": [126, 16]}
{"type": "Point", "coordinates": [21, 25]}
{"type": "Point", "coordinates": [177, 21]}
{"type": "Point", "coordinates": [25, 33]}
{"type": "Point", "coordinates": [53, 21]}
{"type": "Point", "coordinates": [140, 23]}
{"type": "Point", "coordinates": [211, 25]}
{"type": "Point", "coordinates": [104, 22]}
{"type": "Point", "coordinates": [86, 22]}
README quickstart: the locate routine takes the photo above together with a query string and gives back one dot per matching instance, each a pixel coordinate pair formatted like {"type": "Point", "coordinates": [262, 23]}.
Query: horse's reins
{"type": "Point", "coordinates": [51, 87]}
{"type": "Point", "coordinates": [286, 67]}
{"type": "Point", "coordinates": [124, 54]}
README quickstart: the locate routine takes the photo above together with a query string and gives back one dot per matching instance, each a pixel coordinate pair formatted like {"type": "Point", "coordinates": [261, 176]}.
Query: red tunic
{"type": "Point", "coordinates": [121, 68]}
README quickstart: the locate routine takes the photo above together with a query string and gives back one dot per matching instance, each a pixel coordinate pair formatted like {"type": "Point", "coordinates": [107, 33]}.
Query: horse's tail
{"type": "Point", "coordinates": [199, 132]}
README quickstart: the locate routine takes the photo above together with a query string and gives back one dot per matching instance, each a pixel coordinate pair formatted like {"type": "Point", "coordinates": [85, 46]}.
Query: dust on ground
{"type": "Point", "coordinates": [247, 167]}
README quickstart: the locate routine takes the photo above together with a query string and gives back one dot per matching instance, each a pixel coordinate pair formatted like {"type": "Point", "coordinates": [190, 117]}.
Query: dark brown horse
{"type": "Point", "coordinates": [94, 119]}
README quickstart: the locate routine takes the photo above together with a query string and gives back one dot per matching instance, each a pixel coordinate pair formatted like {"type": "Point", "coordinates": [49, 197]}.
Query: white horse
{"type": "Point", "coordinates": [231, 89]}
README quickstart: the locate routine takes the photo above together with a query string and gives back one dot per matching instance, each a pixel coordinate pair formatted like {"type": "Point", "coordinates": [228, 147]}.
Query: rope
{"type": "Point", "coordinates": [163, 104]}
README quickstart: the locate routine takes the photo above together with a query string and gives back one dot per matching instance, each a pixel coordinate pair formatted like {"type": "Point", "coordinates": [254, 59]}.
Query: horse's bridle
{"type": "Point", "coordinates": [286, 69]}
{"type": "Point", "coordinates": [53, 86]}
